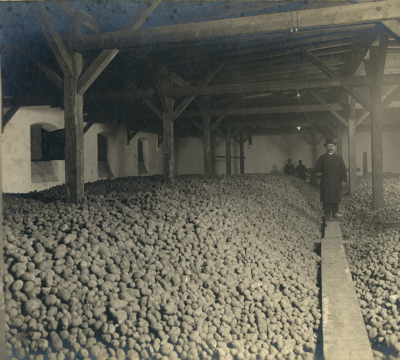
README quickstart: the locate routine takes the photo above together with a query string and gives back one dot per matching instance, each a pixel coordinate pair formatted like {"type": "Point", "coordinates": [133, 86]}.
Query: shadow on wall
{"type": "Point", "coordinates": [47, 148]}
{"type": "Point", "coordinates": [275, 170]}
{"type": "Point", "coordinates": [104, 169]}
{"type": "Point", "coordinates": [143, 156]}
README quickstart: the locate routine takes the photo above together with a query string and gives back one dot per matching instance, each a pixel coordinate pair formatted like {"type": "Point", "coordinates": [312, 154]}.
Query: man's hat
{"type": "Point", "coordinates": [289, 160]}
{"type": "Point", "coordinates": [329, 141]}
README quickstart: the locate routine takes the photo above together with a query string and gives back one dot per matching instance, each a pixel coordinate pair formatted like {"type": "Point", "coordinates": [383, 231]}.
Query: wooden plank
{"type": "Point", "coordinates": [345, 335]}
{"type": "Point", "coordinates": [73, 123]}
{"type": "Point", "coordinates": [185, 103]}
{"type": "Point", "coordinates": [205, 114]}
{"type": "Point", "coordinates": [51, 74]}
{"type": "Point", "coordinates": [2, 271]}
{"type": "Point", "coordinates": [333, 112]}
{"type": "Point", "coordinates": [378, 65]}
{"type": "Point", "coordinates": [352, 148]}
{"type": "Point", "coordinates": [314, 18]}
{"type": "Point", "coordinates": [197, 124]}
{"type": "Point", "coordinates": [331, 74]}
{"type": "Point", "coordinates": [78, 14]}
{"type": "Point", "coordinates": [53, 38]}
{"type": "Point", "coordinates": [95, 69]}
{"type": "Point", "coordinates": [241, 152]}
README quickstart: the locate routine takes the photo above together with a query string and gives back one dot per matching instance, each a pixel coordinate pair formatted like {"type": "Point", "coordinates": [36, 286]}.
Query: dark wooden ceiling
{"type": "Point", "coordinates": [260, 61]}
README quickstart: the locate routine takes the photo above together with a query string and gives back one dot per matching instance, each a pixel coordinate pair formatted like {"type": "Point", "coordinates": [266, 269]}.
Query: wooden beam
{"type": "Point", "coordinates": [161, 69]}
{"type": "Point", "coordinates": [147, 102]}
{"type": "Point", "coordinates": [95, 69]}
{"type": "Point", "coordinates": [357, 81]}
{"type": "Point", "coordinates": [333, 112]}
{"type": "Point", "coordinates": [78, 14]}
{"type": "Point", "coordinates": [8, 115]}
{"type": "Point", "coordinates": [140, 15]}
{"type": "Point", "coordinates": [331, 74]}
{"type": "Point", "coordinates": [205, 115]}
{"type": "Point", "coordinates": [353, 81]}
{"type": "Point", "coordinates": [393, 27]}
{"type": "Point", "coordinates": [184, 104]}
{"type": "Point", "coordinates": [51, 74]}
{"type": "Point", "coordinates": [339, 138]}
{"type": "Point", "coordinates": [250, 25]}
{"type": "Point", "coordinates": [241, 152]}
{"type": "Point", "coordinates": [87, 127]}
{"type": "Point", "coordinates": [106, 56]}
{"type": "Point", "coordinates": [2, 270]}
{"type": "Point", "coordinates": [53, 38]}
{"type": "Point", "coordinates": [352, 148]}
{"type": "Point", "coordinates": [378, 65]}
{"type": "Point", "coordinates": [73, 123]}
{"type": "Point", "coordinates": [387, 98]}
{"type": "Point", "coordinates": [197, 124]}
{"type": "Point", "coordinates": [271, 110]}
{"type": "Point", "coordinates": [228, 152]}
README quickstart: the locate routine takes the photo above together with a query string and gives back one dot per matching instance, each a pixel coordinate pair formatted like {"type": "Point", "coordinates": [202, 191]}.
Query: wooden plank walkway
{"type": "Point", "coordinates": [344, 334]}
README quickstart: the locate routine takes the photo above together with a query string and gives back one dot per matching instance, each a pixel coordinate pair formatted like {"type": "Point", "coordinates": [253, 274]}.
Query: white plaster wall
{"type": "Point", "coordinates": [16, 151]}
{"type": "Point", "coordinates": [391, 150]}
{"type": "Point", "coordinates": [189, 155]}
{"type": "Point", "coordinates": [269, 153]}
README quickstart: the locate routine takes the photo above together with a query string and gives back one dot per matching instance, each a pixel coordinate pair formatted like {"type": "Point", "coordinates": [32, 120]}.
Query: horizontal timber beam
{"type": "Point", "coordinates": [356, 81]}
{"type": "Point", "coordinates": [271, 110]}
{"type": "Point", "coordinates": [245, 26]}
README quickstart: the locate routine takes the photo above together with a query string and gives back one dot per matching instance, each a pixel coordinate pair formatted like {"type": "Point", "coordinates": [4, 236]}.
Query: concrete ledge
{"type": "Point", "coordinates": [344, 334]}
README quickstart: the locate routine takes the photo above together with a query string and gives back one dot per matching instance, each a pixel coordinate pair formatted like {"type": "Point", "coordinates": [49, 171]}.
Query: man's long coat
{"type": "Point", "coordinates": [333, 173]}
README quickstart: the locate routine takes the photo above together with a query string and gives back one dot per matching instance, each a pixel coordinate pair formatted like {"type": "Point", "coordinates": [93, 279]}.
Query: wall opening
{"type": "Point", "coordinates": [143, 156]}
{"type": "Point", "coordinates": [47, 147]}
{"type": "Point", "coordinates": [104, 169]}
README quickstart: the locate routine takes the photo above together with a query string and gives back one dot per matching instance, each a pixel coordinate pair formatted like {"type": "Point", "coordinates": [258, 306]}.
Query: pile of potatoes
{"type": "Point", "coordinates": [374, 260]}
{"type": "Point", "coordinates": [208, 267]}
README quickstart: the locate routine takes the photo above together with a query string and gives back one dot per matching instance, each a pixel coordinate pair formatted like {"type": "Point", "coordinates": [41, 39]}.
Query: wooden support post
{"type": "Point", "coordinates": [378, 65]}
{"type": "Point", "coordinates": [205, 114]}
{"type": "Point", "coordinates": [2, 305]}
{"type": "Point", "coordinates": [339, 138]}
{"type": "Point", "coordinates": [365, 163]}
{"type": "Point", "coordinates": [241, 147]}
{"type": "Point", "coordinates": [73, 123]}
{"type": "Point", "coordinates": [352, 147]}
{"type": "Point", "coordinates": [168, 145]}
{"type": "Point", "coordinates": [228, 151]}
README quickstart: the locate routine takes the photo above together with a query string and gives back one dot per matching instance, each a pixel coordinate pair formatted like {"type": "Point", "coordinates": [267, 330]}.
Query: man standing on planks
{"type": "Point", "coordinates": [289, 168]}
{"type": "Point", "coordinates": [333, 178]}
{"type": "Point", "coordinates": [301, 170]}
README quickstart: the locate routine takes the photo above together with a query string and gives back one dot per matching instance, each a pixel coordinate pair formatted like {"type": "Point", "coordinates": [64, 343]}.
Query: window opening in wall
{"type": "Point", "coordinates": [104, 169]}
{"type": "Point", "coordinates": [143, 156]}
{"type": "Point", "coordinates": [46, 148]}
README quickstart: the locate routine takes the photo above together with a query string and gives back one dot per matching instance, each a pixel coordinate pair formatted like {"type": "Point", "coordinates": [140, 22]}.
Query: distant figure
{"type": "Point", "coordinates": [333, 178]}
{"type": "Point", "coordinates": [289, 168]}
{"type": "Point", "coordinates": [301, 170]}
{"type": "Point", "coordinates": [275, 170]}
